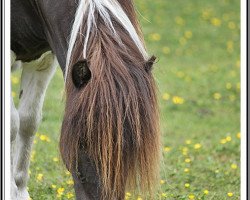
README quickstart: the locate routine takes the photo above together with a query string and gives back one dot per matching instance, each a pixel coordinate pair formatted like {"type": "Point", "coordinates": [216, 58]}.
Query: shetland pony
{"type": "Point", "coordinates": [110, 132]}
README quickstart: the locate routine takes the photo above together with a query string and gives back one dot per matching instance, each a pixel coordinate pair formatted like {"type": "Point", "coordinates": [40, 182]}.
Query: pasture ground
{"type": "Point", "coordinates": [198, 74]}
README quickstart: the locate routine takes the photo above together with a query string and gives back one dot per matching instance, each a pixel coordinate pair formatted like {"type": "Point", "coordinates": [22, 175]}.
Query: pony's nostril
{"type": "Point", "coordinates": [81, 73]}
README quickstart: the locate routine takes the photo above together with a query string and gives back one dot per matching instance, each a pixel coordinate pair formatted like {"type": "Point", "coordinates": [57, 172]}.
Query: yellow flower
{"type": "Point", "coordinates": [191, 196]}
{"type": "Point", "coordinates": [167, 149]}
{"type": "Point", "coordinates": [163, 194]}
{"type": "Point", "coordinates": [215, 21]}
{"type": "Point", "coordinates": [177, 100]}
{"type": "Point", "coordinates": [217, 96]}
{"type": "Point", "coordinates": [155, 37]}
{"type": "Point", "coordinates": [44, 138]}
{"type": "Point", "coordinates": [53, 186]}
{"type": "Point", "coordinates": [182, 41]}
{"type": "Point", "coordinates": [13, 94]}
{"type": "Point", "coordinates": [234, 166]}
{"type": "Point", "coordinates": [197, 146]}
{"type": "Point", "coordinates": [186, 170]}
{"type": "Point", "coordinates": [228, 138]}
{"type": "Point", "coordinates": [205, 192]}
{"type": "Point", "coordinates": [69, 195]}
{"type": "Point", "coordinates": [232, 97]}
{"type": "Point", "coordinates": [165, 96]}
{"type": "Point", "coordinates": [139, 198]}
{"type": "Point", "coordinates": [60, 191]}
{"type": "Point", "coordinates": [228, 86]}
{"type": "Point", "coordinates": [184, 151]}
{"type": "Point", "coordinates": [55, 159]}
{"type": "Point", "coordinates": [128, 194]}
{"type": "Point", "coordinates": [187, 160]}
{"type": "Point", "coordinates": [180, 74]}
{"type": "Point", "coordinates": [67, 173]}
{"type": "Point", "coordinates": [166, 50]}
{"type": "Point", "coordinates": [188, 142]}
{"type": "Point", "coordinates": [187, 185]}
{"type": "Point", "coordinates": [14, 80]}
{"type": "Point", "coordinates": [188, 34]}
{"type": "Point", "coordinates": [231, 25]}
{"type": "Point", "coordinates": [238, 135]}
{"type": "Point", "coordinates": [180, 21]}
{"type": "Point", "coordinates": [70, 182]}
{"type": "Point", "coordinates": [162, 182]}
{"type": "Point", "coordinates": [223, 141]}
{"type": "Point", "coordinates": [206, 14]}
{"type": "Point", "coordinates": [39, 177]}
{"type": "Point", "coordinates": [230, 194]}
{"type": "Point", "coordinates": [230, 46]}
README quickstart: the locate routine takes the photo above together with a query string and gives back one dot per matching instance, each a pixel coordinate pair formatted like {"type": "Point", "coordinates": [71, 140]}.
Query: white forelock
{"type": "Point", "coordinates": [105, 8]}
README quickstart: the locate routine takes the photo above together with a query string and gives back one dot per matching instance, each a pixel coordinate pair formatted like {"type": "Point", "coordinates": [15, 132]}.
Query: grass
{"type": "Point", "coordinates": [198, 75]}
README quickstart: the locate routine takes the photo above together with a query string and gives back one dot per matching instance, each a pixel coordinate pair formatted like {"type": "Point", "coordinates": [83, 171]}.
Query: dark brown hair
{"type": "Point", "coordinates": [114, 117]}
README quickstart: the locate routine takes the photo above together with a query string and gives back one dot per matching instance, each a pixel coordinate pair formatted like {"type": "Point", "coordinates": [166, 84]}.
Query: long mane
{"type": "Point", "coordinates": [114, 117]}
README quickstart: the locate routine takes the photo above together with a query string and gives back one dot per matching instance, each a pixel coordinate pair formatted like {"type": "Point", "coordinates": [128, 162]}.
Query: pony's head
{"type": "Point", "coordinates": [111, 113]}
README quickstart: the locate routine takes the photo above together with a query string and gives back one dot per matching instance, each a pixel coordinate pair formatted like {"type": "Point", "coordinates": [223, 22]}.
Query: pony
{"type": "Point", "coordinates": [110, 139]}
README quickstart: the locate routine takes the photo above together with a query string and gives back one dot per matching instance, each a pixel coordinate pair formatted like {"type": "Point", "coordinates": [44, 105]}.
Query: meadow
{"type": "Point", "coordinates": [197, 44]}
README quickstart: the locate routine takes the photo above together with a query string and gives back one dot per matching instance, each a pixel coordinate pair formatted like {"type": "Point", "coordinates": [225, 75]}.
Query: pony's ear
{"type": "Point", "coordinates": [81, 73]}
{"type": "Point", "coordinates": [149, 64]}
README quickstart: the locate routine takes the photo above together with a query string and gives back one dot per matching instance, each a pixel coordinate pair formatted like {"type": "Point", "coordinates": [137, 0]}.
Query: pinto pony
{"type": "Point", "coordinates": [110, 132]}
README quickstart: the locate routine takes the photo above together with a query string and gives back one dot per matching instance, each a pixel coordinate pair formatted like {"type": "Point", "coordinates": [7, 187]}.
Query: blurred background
{"type": "Point", "coordinates": [197, 44]}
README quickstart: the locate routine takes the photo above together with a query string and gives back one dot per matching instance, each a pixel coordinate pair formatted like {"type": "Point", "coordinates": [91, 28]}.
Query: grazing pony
{"type": "Point", "coordinates": [110, 132]}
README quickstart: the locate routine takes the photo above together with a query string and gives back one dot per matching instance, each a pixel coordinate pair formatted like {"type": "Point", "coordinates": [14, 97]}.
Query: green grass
{"type": "Point", "coordinates": [198, 75]}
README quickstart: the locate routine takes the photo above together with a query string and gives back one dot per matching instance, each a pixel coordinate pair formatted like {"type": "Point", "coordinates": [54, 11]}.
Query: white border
{"type": "Point", "coordinates": [243, 99]}
{"type": "Point", "coordinates": [7, 93]}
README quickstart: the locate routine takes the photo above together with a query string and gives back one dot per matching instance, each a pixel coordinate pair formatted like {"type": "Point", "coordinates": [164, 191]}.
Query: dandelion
{"type": "Point", "coordinates": [166, 50]}
{"type": "Point", "coordinates": [234, 166]}
{"type": "Point", "coordinates": [69, 195]}
{"type": "Point", "coordinates": [155, 37]}
{"type": "Point", "coordinates": [139, 198]}
{"type": "Point", "coordinates": [206, 192]}
{"type": "Point", "coordinates": [228, 86]}
{"type": "Point", "coordinates": [230, 194]}
{"type": "Point", "coordinates": [166, 96]}
{"type": "Point", "coordinates": [127, 195]}
{"type": "Point", "coordinates": [231, 25]}
{"type": "Point", "coordinates": [217, 96]}
{"type": "Point", "coordinates": [55, 159]}
{"type": "Point", "coordinates": [182, 41]}
{"type": "Point", "coordinates": [167, 149]}
{"type": "Point", "coordinates": [70, 182]}
{"type": "Point", "coordinates": [197, 146]}
{"type": "Point", "coordinates": [164, 195]}
{"type": "Point", "coordinates": [215, 21]}
{"type": "Point", "coordinates": [191, 196]}
{"type": "Point", "coordinates": [206, 14]}
{"type": "Point", "coordinates": [186, 170]}
{"type": "Point", "coordinates": [14, 80]}
{"type": "Point", "coordinates": [39, 177]}
{"type": "Point", "coordinates": [232, 97]}
{"type": "Point", "coordinates": [180, 21]}
{"type": "Point", "coordinates": [238, 135]}
{"type": "Point", "coordinates": [228, 138]}
{"type": "Point", "coordinates": [53, 186]}
{"type": "Point", "coordinates": [187, 160]}
{"type": "Point", "coordinates": [60, 192]}
{"type": "Point", "coordinates": [13, 94]}
{"type": "Point", "coordinates": [223, 141]}
{"type": "Point", "coordinates": [162, 182]}
{"type": "Point", "coordinates": [188, 34]}
{"type": "Point", "coordinates": [44, 138]}
{"type": "Point", "coordinates": [67, 173]}
{"type": "Point", "coordinates": [187, 185]}
{"type": "Point", "coordinates": [180, 74]}
{"type": "Point", "coordinates": [188, 141]}
{"type": "Point", "coordinates": [177, 100]}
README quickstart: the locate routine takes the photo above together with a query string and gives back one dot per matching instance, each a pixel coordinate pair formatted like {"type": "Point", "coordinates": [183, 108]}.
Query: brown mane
{"type": "Point", "coordinates": [114, 117]}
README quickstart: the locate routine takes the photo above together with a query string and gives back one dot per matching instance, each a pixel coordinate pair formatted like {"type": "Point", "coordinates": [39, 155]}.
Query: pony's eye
{"type": "Point", "coordinates": [81, 73]}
